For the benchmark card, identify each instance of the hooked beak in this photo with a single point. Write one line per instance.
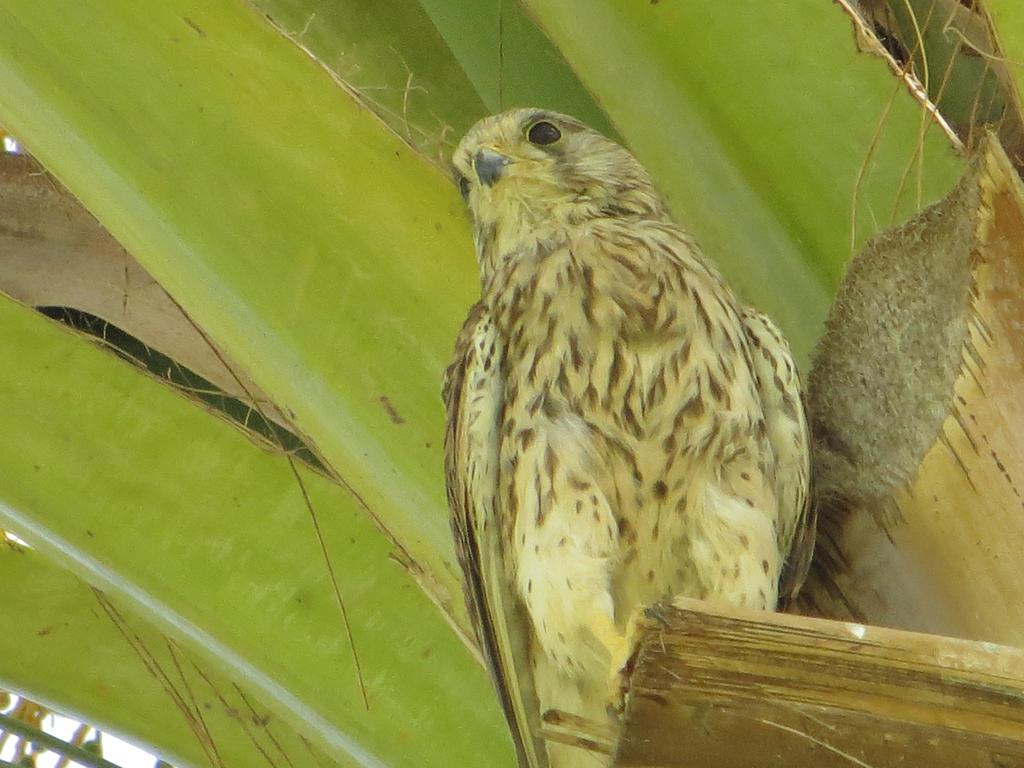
(488, 165)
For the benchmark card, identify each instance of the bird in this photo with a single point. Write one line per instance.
(621, 428)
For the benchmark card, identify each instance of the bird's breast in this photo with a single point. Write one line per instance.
(571, 343)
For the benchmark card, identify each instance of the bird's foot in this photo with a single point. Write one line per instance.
(656, 613)
(621, 648)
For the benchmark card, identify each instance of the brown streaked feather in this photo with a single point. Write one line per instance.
(473, 394)
(778, 386)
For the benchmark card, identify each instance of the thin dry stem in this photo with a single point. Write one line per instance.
(823, 744)
(307, 500)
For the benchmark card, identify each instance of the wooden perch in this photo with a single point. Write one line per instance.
(729, 688)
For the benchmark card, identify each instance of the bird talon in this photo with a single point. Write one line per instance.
(615, 701)
(657, 613)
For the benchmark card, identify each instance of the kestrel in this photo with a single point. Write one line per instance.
(621, 429)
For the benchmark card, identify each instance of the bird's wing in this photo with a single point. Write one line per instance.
(778, 385)
(473, 395)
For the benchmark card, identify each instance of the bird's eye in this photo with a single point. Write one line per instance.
(543, 133)
(464, 187)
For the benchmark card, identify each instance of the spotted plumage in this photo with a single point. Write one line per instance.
(621, 429)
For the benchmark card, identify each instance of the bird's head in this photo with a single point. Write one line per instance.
(526, 173)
